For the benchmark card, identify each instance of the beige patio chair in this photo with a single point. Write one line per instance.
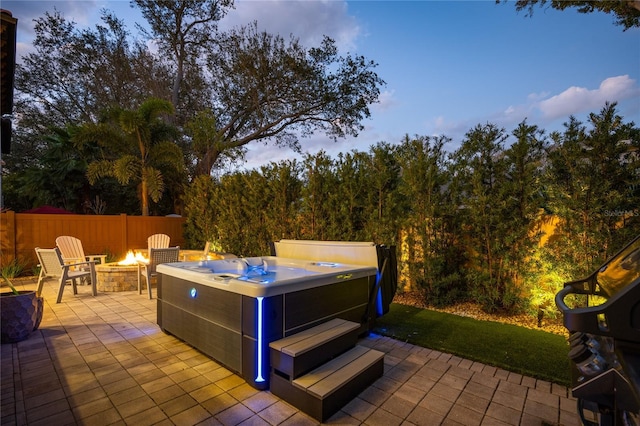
(72, 251)
(157, 241)
(52, 266)
(157, 256)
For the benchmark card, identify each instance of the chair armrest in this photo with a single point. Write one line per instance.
(91, 263)
(93, 257)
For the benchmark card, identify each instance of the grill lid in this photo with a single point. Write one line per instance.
(621, 270)
(618, 280)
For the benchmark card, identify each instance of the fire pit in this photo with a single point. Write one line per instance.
(120, 276)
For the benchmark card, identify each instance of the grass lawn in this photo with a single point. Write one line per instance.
(522, 350)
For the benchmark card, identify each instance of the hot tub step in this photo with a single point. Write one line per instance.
(295, 355)
(323, 391)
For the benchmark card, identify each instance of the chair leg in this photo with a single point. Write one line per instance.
(94, 282)
(147, 278)
(74, 284)
(142, 270)
(149, 285)
(41, 279)
(62, 283)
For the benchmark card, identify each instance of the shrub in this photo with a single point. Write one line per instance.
(13, 269)
(494, 296)
(443, 291)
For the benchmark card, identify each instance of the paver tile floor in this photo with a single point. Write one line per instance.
(103, 360)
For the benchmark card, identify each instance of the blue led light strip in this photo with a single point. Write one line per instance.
(379, 308)
(259, 377)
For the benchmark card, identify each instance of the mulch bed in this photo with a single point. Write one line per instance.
(473, 310)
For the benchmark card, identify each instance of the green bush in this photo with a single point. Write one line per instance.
(494, 296)
(13, 269)
(444, 291)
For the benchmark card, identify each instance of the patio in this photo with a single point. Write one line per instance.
(103, 360)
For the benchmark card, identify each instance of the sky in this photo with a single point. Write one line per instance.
(448, 65)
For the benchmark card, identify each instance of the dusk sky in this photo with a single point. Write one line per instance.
(448, 65)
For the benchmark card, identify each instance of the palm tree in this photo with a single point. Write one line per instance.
(137, 146)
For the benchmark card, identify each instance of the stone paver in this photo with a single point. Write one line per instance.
(103, 360)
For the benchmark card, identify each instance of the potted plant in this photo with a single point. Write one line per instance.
(20, 313)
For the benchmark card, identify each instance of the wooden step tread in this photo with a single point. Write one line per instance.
(325, 379)
(329, 367)
(314, 337)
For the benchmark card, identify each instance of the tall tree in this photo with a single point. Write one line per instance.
(137, 145)
(72, 75)
(207, 144)
(265, 89)
(383, 205)
(318, 183)
(589, 190)
(481, 186)
(428, 222)
(239, 220)
(348, 212)
(281, 188)
(627, 12)
(201, 211)
(523, 197)
(184, 30)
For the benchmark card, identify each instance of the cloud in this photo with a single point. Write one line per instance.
(580, 99)
(80, 12)
(386, 101)
(454, 129)
(309, 21)
(542, 109)
(83, 13)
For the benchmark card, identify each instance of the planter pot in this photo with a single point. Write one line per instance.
(20, 315)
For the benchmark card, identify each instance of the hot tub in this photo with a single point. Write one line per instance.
(232, 309)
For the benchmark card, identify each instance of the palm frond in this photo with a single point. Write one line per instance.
(155, 183)
(101, 133)
(99, 169)
(154, 107)
(126, 168)
(130, 121)
(167, 153)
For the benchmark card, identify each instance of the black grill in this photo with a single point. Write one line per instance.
(604, 326)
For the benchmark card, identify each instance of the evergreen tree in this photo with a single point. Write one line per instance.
(202, 212)
(282, 191)
(383, 204)
(481, 184)
(429, 223)
(318, 183)
(589, 188)
(349, 198)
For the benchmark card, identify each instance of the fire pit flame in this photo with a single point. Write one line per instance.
(133, 259)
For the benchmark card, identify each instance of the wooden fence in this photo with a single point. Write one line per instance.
(20, 233)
